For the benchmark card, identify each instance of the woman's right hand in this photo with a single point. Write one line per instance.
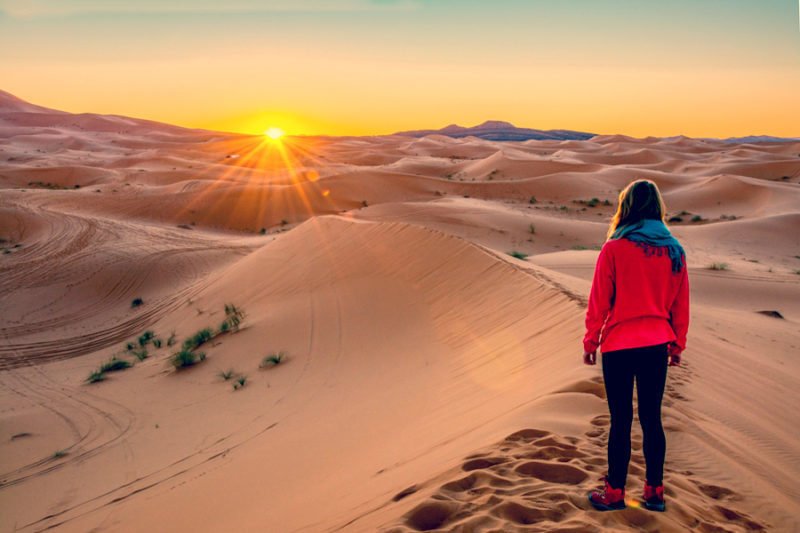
(674, 354)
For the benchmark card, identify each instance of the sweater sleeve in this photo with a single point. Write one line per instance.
(601, 299)
(679, 314)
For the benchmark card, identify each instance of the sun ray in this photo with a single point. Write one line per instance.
(260, 180)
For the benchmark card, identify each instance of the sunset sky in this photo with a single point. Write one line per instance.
(695, 67)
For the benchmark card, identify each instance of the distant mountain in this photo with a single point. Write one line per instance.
(759, 139)
(495, 130)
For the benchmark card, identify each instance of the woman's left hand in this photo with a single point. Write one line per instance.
(590, 358)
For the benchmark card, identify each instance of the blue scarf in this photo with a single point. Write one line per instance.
(653, 236)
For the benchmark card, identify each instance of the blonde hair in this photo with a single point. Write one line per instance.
(639, 200)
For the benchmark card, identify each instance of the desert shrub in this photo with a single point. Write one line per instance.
(239, 383)
(130, 346)
(59, 454)
(606, 202)
(95, 376)
(675, 219)
(136, 302)
(233, 317)
(198, 339)
(114, 365)
(172, 339)
(157, 343)
(532, 200)
(146, 337)
(590, 203)
(226, 374)
(718, 266)
(272, 360)
(141, 355)
(518, 255)
(697, 218)
(262, 231)
(532, 229)
(185, 358)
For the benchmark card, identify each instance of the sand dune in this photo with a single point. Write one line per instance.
(431, 381)
(736, 195)
(421, 318)
(70, 287)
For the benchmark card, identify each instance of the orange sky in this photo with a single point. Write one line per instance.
(712, 68)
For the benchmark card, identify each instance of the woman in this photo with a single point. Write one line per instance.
(638, 316)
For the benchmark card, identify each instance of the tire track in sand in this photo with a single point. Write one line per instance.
(96, 423)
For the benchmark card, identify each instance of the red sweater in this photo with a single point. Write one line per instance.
(636, 300)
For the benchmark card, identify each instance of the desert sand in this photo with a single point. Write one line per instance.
(431, 380)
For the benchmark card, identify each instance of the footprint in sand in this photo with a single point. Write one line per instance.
(553, 473)
(537, 479)
(484, 462)
(430, 515)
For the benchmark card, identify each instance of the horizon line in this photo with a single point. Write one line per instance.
(433, 131)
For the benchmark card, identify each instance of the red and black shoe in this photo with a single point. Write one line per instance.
(609, 498)
(654, 498)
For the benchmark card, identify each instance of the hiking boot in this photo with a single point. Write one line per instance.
(654, 497)
(609, 498)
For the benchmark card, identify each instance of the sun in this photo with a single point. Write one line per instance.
(274, 133)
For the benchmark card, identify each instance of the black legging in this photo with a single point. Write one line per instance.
(648, 365)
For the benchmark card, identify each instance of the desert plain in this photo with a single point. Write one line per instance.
(424, 299)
